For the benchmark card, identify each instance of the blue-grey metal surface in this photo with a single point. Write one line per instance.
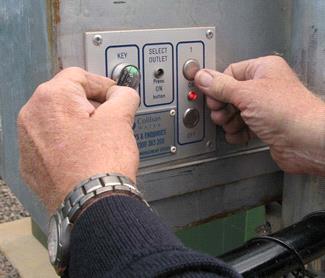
(24, 64)
(244, 29)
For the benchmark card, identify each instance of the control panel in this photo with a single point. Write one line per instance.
(172, 121)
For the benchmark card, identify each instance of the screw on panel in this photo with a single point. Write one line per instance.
(173, 149)
(209, 34)
(172, 112)
(209, 144)
(97, 40)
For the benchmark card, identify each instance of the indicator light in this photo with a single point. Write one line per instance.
(192, 96)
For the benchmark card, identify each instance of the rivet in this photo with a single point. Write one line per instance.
(173, 149)
(97, 40)
(209, 34)
(172, 112)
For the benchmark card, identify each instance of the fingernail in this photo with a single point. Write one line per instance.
(204, 79)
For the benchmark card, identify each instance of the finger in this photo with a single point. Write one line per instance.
(94, 86)
(122, 103)
(217, 85)
(95, 104)
(214, 104)
(241, 71)
(263, 67)
(223, 116)
(235, 125)
(241, 137)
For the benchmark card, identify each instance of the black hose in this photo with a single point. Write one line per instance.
(283, 252)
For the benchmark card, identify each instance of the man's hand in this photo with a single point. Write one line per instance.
(75, 126)
(265, 98)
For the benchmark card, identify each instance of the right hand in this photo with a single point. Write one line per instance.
(266, 99)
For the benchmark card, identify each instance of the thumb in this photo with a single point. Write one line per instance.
(122, 103)
(217, 85)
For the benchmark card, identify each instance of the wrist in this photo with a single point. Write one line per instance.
(318, 152)
(75, 203)
(96, 199)
(310, 145)
(65, 184)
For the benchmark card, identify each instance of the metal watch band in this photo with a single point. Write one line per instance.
(95, 186)
(66, 214)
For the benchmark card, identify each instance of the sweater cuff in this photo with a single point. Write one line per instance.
(121, 235)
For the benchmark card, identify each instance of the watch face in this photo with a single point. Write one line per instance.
(52, 242)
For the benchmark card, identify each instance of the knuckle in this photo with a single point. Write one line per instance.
(229, 69)
(42, 88)
(21, 116)
(218, 117)
(230, 138)
(274, 59)
(222, 86)
(43, 92)
(214, 104)
(74, 74)
(73, 70)
(219, 85)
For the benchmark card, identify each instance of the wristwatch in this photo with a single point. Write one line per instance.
(61, 223)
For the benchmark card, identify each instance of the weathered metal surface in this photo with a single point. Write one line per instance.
(244, 29)
(45, 36)
(53, 22)
(199, 191)
(170, 180)
(303, 194)
(308, 43)
(205, 205)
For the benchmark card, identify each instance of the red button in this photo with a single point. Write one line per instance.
(192, 96)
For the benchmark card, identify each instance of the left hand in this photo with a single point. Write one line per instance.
(75, 126)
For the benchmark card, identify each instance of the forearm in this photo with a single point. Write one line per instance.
(120, 236)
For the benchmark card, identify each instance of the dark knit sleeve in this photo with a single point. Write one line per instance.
(119, 236)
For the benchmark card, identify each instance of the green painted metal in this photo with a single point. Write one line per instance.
(222, 235)
(38, 233)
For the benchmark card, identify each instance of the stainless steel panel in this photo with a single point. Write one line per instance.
(145, 49)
